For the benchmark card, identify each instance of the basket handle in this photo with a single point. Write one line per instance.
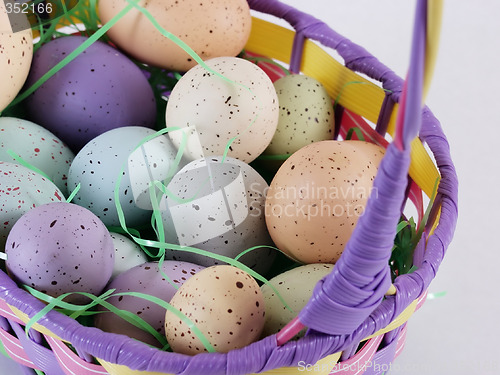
(343, 300)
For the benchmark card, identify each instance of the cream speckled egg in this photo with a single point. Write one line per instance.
(37, 146)
(224, 302)
(21, 189)
(210, 27)
(317, 196)
(214, 113)
(306, 114)
(16, 53)
(295, 287)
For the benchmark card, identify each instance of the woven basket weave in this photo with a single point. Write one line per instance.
(336, 324)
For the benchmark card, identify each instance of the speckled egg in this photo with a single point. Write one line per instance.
(147, 279)
(317, 196)
(296, 288)
(306, 114)
(99, 90)
(214, 113)
(21, 189)
(97, 168)
(60, 248)
(226, 305)
(16, 53)
(128, 254)
(211, 28)
(38, 147)
(218, 207)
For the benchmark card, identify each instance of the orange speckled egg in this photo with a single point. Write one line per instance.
(211, 28)
(317, 196)
(16, 53)
(224, 302)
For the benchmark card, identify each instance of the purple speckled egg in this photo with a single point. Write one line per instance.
(101, 89)
(60, 248)
(145, 278)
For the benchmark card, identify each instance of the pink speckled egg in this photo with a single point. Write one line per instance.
(226, 305)
(145, 278)
(37, 146)
(60, 248)
(21, 189)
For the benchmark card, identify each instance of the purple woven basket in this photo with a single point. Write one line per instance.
(349, 304)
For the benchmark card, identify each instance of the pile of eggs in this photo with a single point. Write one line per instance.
(89, 132)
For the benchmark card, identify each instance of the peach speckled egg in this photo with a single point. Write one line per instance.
(317, 196)
(16, 53)
(238, 113)
(210, 27)
(226, 305)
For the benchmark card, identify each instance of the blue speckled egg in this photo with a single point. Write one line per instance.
(101, 89)
(97, 168)
(37, 146)
(60, 248)
(21, 189)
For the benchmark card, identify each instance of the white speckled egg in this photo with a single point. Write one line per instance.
(145, 278)
(37, 146)
(225, 303)
(128, 254)
(97, 168)
(16, 53)
(306, 114)
(296, 288)
(219, 207)
(211, 28)
(214, 112)
(60, 248)
(317, 197)
(21, 189)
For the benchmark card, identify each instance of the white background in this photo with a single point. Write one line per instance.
(455, 334)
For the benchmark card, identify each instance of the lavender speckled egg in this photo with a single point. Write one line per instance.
(60, 248)
(21, 189)
(219, 207)
(128, 254)
(145, 278)
(97, 168)
(239, 112)
(226, 305)
(100, 90)
(37, 146)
